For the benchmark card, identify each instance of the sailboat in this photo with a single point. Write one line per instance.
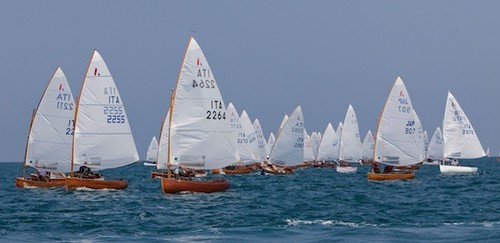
(102, 139)
(367, 148)
(435, 150)
(270, 143)
(244, 135)
(350, 143)
(263, 149)
(460, 140)
(399, 139)
(48, 147)
(328, 149)
(200, 136)
(152, 154)
(288, 149)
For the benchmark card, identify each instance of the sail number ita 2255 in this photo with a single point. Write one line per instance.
(114, 114)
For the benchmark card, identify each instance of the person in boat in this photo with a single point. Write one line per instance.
(39, 176)
(454, 162)
(376, 167)
(388, 169)
(87, 173)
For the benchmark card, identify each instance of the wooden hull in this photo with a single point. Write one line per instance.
(390, 176)
(409, 167)
(51, 183)
(455, 169)
(238, 170)
(283, 171)
(75, 182)
(172, 185)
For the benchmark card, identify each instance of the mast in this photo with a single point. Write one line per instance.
(169, 174)
(77, 105)
(379, 119)
(172, 101)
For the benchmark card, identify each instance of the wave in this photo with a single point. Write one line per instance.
(298, 222)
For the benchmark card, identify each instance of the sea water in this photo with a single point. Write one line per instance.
(312, 205)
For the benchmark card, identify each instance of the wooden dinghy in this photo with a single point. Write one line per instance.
(390, 176)
(407, 167)
(279, 171)
(35, 182)
(98, 183)
(176, 185)
(233, 170)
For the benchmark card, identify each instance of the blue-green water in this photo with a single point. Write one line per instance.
(315, 204)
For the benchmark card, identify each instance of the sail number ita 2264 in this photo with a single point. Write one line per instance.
(216, 111)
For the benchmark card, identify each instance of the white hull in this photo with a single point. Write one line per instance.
(149, 164)
(346, 169)
(434, 162)
(454, 169)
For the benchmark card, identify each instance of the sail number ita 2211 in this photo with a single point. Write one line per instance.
(216, 111)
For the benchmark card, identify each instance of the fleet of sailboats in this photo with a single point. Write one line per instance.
(199, 133)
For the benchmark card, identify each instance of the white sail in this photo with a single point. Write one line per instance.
(162, 157)
(288, 150)
(367, 146)
(263, 149)
(283, 121)
(460, 138)
(399, 139)
(329, 145)
(426, 143)
(103, 138)
(239, 134)
(315, 141)
(270, 143)
(51, 133)
(308, 152)
(200, 134)
(152, 153)
(250, 137)
(435, 151)
(350, 143)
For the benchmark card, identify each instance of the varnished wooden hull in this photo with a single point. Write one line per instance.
(283, 171)
(51, 183)
(238, 170)
(409, 167)
(75, 182)
(173, 185)
(390, 176)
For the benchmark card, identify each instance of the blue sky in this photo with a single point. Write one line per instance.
(267, 56)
